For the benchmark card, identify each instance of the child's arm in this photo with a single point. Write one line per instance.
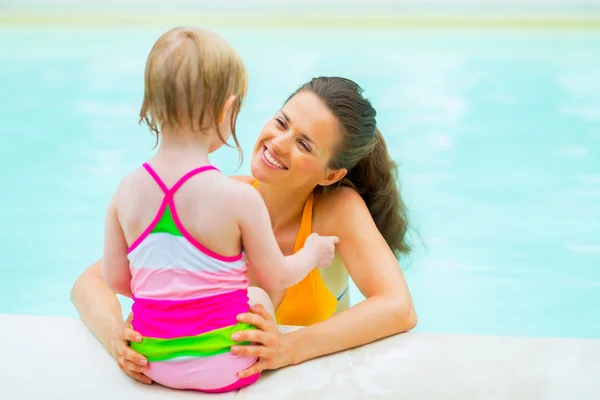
(273, 270)
(115, 265)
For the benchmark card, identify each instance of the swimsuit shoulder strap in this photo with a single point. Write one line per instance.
(306, 222)
(181, 181)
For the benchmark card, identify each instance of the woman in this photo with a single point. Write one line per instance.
(321, 166)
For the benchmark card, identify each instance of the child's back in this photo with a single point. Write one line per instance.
(203, 202)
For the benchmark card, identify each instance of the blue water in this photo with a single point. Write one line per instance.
(497, 135)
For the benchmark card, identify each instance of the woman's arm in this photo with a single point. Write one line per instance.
(100, 310)
(387, 309)
(97, 305)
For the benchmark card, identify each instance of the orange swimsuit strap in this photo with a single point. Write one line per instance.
(310, 300)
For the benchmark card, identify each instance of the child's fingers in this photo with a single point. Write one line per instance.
(335, 239)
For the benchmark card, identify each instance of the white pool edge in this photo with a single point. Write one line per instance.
(58, 358)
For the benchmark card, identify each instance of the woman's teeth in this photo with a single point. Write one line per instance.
(272, 161)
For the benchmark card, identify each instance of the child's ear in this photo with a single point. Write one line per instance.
(226, 108)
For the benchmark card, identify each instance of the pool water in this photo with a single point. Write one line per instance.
(497, 135)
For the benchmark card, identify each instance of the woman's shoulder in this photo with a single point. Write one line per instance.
(343, 198)
(338, 206)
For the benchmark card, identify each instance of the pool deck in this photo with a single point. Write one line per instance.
(58, 358)
(328, 14)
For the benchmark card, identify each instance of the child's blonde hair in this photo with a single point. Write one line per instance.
(190, 73)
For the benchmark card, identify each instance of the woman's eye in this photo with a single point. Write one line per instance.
(280, 122)
(306, 147)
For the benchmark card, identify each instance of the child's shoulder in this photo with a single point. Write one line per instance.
(241, 188)
(237, 186)
(130, 182)
(237, 193)
(243, 178)
(133, 177)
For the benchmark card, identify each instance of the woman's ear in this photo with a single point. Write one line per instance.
(332, 176)
(227, 107)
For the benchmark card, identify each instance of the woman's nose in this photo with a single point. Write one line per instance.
(281, 144)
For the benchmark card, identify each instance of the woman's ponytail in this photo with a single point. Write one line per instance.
(375, 178)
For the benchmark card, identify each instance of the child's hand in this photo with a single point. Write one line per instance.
(322, 247)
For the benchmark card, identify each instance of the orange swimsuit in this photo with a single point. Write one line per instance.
(310, 300)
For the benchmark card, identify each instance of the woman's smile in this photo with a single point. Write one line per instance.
(271, 160)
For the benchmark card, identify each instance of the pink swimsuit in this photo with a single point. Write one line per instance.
(186, 299)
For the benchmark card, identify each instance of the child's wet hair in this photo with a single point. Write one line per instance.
(190, 73)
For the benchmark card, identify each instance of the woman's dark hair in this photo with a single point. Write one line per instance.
(363, 152)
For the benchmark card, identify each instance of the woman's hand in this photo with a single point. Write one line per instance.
(130, 361)
(274, 349)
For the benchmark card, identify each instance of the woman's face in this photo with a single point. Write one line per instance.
(295, 146)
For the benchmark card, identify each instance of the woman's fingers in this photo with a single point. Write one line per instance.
(255, 336)
(129, 319)
(129, 360)
(139, 377)
(253, 319)
(133, 367)
(135, 357)
(130, 335)
(252, 351)
(258, 309)
(133, 370)
(258, 317)
(254, 369)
